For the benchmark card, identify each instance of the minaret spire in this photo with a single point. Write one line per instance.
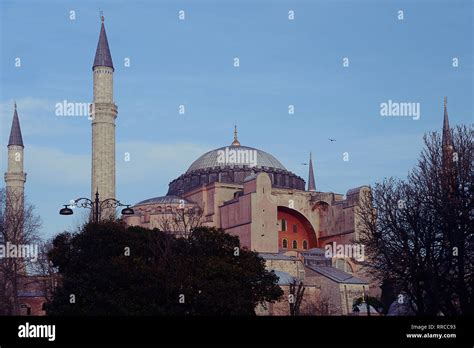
(448, 178)
(15, 176)
(447, 140)
(15, 132)
(311, 182)
(102, 54)
(236, 141)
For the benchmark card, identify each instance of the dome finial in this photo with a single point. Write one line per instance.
(236, 141)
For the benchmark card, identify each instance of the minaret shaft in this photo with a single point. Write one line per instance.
(15, 177)
(104, 113)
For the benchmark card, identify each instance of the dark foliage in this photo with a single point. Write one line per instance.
(111, 269)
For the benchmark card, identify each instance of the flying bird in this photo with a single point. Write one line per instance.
(332, 139)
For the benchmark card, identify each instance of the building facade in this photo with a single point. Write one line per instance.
(249, 193)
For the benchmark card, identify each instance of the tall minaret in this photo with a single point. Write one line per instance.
(311, 183)
(15, 177)
(447, 140)
(103, 122)
(449, 176)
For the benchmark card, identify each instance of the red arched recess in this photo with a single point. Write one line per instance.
(295, 230)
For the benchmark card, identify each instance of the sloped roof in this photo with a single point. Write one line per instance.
(284, 278)
(165, 200)
(336, 274)
(276, 256)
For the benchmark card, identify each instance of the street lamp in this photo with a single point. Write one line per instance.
(66, 210)
(96, 206)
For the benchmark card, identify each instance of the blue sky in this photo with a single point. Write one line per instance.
(190, 62)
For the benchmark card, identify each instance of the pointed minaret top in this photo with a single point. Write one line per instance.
(15, 132)
(236, 141)
(311, 182)
(447, 141)
(102, 54)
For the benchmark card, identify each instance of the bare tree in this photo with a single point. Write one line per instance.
(180, 221)
(18, 227)
(296, 296)
(419, 232)
(321, 306)
(45, 274)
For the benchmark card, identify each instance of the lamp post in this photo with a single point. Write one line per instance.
(96, 206)
(367, 304)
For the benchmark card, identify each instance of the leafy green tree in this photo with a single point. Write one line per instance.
(111, 269)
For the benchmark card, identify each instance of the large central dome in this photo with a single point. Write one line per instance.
(233, 164)
(211, 159)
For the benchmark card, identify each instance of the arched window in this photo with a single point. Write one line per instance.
(343, 265)
(295, 244)
(305, 244)
(284, 244)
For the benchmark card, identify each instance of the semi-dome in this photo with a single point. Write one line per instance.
(171, 199)
(243, 154)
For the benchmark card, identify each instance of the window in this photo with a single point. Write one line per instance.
(340, 264)
(284, 244)
(305, 244)
(145, 218)
(343, 265)
(295, 244)
(283, 224)
(295, 228)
